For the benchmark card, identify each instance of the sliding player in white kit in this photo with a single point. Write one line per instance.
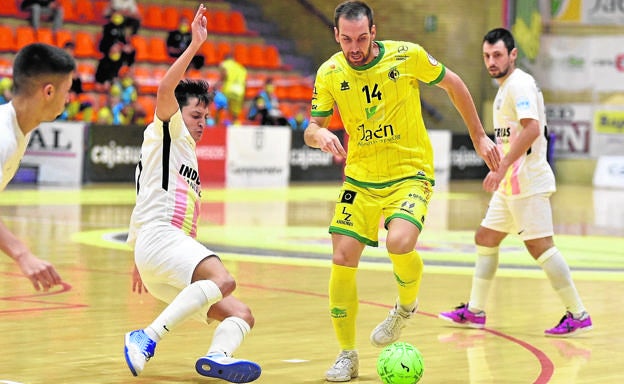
(521, 188)
(173, 266)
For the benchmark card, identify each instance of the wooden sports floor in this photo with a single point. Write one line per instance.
(276, 244)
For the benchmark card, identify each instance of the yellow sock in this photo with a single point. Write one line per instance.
(343, 304)
(408, 270)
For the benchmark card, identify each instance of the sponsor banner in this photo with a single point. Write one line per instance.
(312, 164)
(593, 12)
(564, 64)
(465, 163)
(441, 143)
(572, 126)
(609, 172)
(258, 156)
(211, 154)
(608, 132)
(56, 152)
(113, 152)
(581, 63)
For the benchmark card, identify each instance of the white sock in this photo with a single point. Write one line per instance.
(558, 273)
(229, 335)
(190, 300)
(485, 270)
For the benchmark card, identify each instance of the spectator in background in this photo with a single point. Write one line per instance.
(114, 32)
(48, 10)
(129, 10)
(6, 83)
(300, 120)
(234, 80)
(266, 106)
(79, 107)
(109, 65)
(179, 39)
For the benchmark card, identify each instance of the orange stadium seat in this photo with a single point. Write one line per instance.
(272, 57)
(144, 80)
(153, 16)
(241, 54)
(6, 67)
(171, 17)
(257, 58)
(190, 14)
(7, 39)
(223, 49)
(62, 36)
(87, 75)
(69, 11)
(10, 8)
(45, 35)
(238, 26)
(148, 104)
(211, 56)
(140, 44)
(158, 50)
(24, 35)
(85, 45)
(220, 21)
(85, 11)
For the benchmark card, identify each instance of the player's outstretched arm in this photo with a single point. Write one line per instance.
(166, 103)
(41, 273)
(462, 100)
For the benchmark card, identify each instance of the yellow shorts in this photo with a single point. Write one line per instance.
(359, 209)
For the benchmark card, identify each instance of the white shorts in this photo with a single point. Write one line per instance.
(166, 258)
(529, 217)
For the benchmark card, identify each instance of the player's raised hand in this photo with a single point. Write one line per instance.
(199, 24)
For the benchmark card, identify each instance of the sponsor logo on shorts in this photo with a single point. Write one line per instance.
(348, 196)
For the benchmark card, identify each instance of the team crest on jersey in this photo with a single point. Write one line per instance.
(344, 86)
(393, 74)
(432, 60)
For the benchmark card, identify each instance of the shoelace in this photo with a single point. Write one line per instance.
(343, 362)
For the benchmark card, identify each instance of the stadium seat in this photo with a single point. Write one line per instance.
(6, 67)
(257, 58)
(241, 54)
(223, 49)
(7, 39)
(211, 56)
(140, 44)
(69, 11)
(171, 17)
(158, 50)
(85, 11)
(45, 35)
(62, 36)
(85, 46)
(153, 16)
(87, 75)
(190, 14)
(148, 104)
(238, 26)
(272, 57)
(24, 35)
(220, 21)
(144, 80)
(10, 9)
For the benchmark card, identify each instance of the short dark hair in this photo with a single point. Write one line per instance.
(37, 60)
(353, 10)
(496, 34)
(188, 88)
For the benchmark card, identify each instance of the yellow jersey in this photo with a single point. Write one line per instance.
(379, 104)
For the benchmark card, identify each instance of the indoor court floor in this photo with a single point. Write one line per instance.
(275, 242)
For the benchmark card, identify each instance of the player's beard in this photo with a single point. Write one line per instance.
(501, 73)
(363, 60)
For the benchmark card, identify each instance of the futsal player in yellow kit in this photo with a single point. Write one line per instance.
(389, 166)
